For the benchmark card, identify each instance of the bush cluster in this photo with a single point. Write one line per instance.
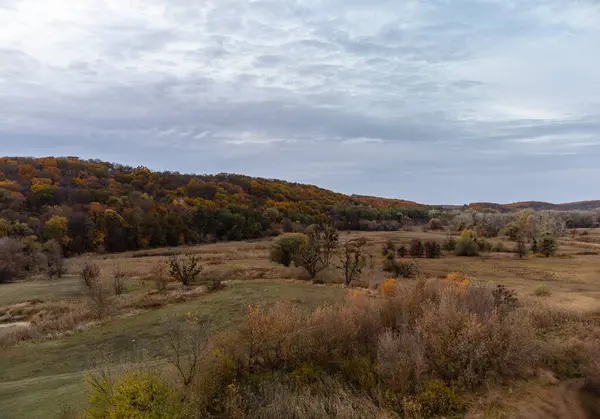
(399, 268)
(466, 245)
(19, 257)
(410, 347)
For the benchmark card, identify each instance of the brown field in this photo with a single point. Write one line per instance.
(44, 371)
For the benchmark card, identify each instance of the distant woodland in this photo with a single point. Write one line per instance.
(96, 206)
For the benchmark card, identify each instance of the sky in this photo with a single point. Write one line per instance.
(436, 101)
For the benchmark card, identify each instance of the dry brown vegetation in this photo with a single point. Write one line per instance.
(419, 349)
(437, 345)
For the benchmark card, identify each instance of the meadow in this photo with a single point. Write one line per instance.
(44, 372)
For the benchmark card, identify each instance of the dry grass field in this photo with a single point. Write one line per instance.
(44, 371)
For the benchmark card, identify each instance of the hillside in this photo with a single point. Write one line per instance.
(94, 205)
(536, 205)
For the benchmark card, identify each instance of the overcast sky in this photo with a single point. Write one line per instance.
(438, 101)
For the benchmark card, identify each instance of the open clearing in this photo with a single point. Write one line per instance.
(37, 377)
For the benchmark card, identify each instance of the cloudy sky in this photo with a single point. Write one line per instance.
(438, 101)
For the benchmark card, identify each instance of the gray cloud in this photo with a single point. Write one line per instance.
(433, 101)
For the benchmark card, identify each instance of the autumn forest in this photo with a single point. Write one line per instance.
(95, 206)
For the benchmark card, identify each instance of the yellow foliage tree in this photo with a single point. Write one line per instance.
(39, 185)
(56, 228)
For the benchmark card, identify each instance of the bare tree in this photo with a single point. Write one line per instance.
(186, 345)
(330, 241)
(54, 259)
(97, 291)
(90, 273)
(159, 271)
(12, 259)
(520, 246)
(184, 269)
(119, 276)
(320, 246)
(352, 260)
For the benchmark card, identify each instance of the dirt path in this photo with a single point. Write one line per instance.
(544, 400)
(568, 400)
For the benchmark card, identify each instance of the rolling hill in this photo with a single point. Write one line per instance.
(91, 205)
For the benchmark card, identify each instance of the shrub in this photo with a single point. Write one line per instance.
(401, 350)
(388, 288)
(459, 278)
(505, 299)
(432, 249)
(416, 248)
(98, 294)
(535, 249)
(512, 231)
(214, 280)
(401, 250)
(466, 244)
(135, 394)
(213, 382)
(566, 358)
(435, 224)
(159, 272)
(466, 247)
(483, 245)
(54, 259)
(542, 291)
(285, 248)
(388, 248)
(360, 372)
(401, 269)
(97, 291)
(520, 247)
(468, 341)
(548, 245)
(12, 259)
(437, 399)
(485, 229)
(449, 244)
(402, 362)
(35, 259)
(184, 269)
(90, 274)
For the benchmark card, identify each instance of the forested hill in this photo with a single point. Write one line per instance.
(536, 206)
(92, 205)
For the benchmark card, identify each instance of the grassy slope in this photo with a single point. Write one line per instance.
(36, 378)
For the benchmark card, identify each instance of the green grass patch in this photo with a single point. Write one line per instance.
(43, 289)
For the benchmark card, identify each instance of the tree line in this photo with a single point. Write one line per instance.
(95, 206)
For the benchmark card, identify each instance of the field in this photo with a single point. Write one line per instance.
(38, 376)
